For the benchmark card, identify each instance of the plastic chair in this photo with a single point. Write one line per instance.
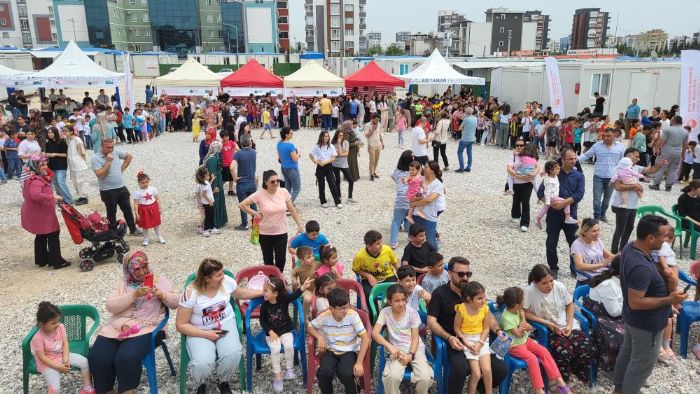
(672, 218)
(407, 373)
(419, 280)
(691, 234)
(149, 362)
(689, 314)
(349, 284)
(315, 359)
(543, 339)
(184, 355)
(586, 275)
(247, 273)
(75, 319)
(579, 293)
(512, 363)
(257, 345)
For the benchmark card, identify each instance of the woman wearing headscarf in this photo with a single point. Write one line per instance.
(354, 151)
(39, 215)
(293, 114)
(100, 131)
(213, 163)
(136, 311)
(209, 136)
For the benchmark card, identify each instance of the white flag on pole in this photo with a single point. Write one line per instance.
(556, 95)
(128, 99)
(690, 91)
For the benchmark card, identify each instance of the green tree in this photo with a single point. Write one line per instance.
(375, 50)
(394, 50)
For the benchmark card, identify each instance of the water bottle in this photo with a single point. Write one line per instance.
(501, 345)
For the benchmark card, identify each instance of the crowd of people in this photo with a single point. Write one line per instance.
(633, 284)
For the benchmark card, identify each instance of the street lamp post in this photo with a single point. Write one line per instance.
(72, 20)
(229, 39)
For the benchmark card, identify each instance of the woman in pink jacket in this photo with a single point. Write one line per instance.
(137, 305)
(39, 215)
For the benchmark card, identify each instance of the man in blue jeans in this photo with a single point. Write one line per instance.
(607, 157)
(571, 188)
(244, 163)
(468, 129)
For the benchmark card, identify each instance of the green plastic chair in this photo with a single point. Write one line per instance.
(691, 234)
(377, 300)
(75, 319)
(672, 218)
(185, 357)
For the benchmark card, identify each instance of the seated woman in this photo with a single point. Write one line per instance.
(689, 206)
(548, 302)
(206, 316)
(124, 341)
(589, 254)
(605, 302)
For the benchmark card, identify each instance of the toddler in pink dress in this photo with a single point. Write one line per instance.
(628, 176)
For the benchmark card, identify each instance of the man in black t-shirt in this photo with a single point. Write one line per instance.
(599, 103)
(441, 315)
(416, 252)
(646, 305)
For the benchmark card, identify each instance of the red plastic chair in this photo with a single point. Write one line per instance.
(348, 285)
(314, 359)
(246, 273)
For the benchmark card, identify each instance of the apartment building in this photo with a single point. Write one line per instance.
(336, 27)
(27, 23)
(590, 28)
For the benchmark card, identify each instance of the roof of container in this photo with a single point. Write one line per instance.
(312, 55)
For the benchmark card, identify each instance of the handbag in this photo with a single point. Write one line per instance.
(436, 144)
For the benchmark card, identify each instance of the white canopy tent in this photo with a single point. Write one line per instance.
(190, 79)
(436, 71)
(312, 80)
(11, 77)
(73, 68)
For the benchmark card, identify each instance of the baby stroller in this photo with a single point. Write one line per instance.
(94, 228)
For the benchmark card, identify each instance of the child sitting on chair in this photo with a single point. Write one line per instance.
(404, 344)
(342, 342)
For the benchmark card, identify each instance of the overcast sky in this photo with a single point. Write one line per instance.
(677, 17)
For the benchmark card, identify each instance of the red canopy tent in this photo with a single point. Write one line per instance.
(254, 79)
(372, 77)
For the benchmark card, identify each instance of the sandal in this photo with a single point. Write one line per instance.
(62, 264)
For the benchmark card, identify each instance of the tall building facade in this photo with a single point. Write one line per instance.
(542, 28)
(374, 38)
(446, 18)
(28, 23)
(336, 27)
(510, 31)
(652, 40)
(590, 28)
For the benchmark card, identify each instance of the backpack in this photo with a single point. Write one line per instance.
(353, 107)
(257, 281)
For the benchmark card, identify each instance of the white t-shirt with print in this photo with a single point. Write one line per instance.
(207, 312)
(431, 210)
(550, 306)
(145, 196)
(399, 331)
(204, 190)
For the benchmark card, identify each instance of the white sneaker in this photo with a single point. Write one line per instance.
(145, 242)
(325, 205)
(290, 374)
(523, 229)
(205, 233)
(515, 220)
(339, 206)
(570, 220)
(161, 240)
(215, 231)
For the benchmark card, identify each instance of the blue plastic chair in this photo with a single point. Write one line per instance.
(579, 293)
(689, 314)
(407, 373)
(512, 363)
(582, 273)
(441, 368)
(149, 362)
(257, 345)
(543, 339)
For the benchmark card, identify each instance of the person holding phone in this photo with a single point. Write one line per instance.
(137, 305)
(206, 317)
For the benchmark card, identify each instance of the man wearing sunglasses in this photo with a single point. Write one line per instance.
(441, 315)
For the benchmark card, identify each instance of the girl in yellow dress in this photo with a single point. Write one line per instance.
(196, 125)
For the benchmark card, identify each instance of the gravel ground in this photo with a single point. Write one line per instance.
(476, 224)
